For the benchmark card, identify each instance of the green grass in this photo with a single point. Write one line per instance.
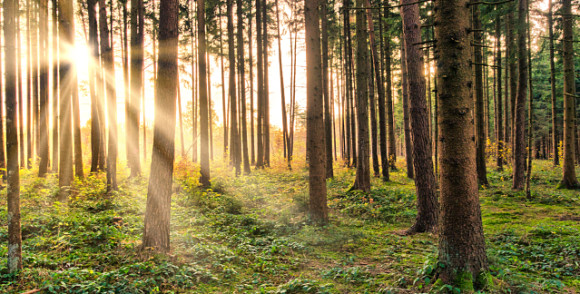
(251, 234)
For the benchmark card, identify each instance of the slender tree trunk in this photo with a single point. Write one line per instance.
(314, 112)
(224, 105)
(234, 131)
(325, 90)
(282, 88)
(461, 240)
(520, 109)
(530, 110)
(66, 80)
(260, 71)
(78, 150)
(33, 104)
(381, 93)
(266, 94)
(25, 157)
(568, 170)
(498, 106)
(392, 146)
(136, 56)
(363, 170)
(513, 76)
(93, 44)
(427, 204)
(251, 69)
(373, 118)
(406, 115)
(479, 105)
(10, 11)
(43, 99)
(203, 100)
(241, 70)
(55, 86)
(555, 140)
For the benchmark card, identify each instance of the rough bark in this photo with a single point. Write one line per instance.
(461, 240)
(10, 13)
(568, 170)
(241, 71)
(519, 165)
(363, 169)
(234, 134)
(43, 84)
(314, 112)
(158, 210)
(392, 146)
(427, 204)
(555, 140)
(406, 115)
(499, 103)
(325, 90)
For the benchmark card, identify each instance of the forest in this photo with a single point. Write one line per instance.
(289, 146)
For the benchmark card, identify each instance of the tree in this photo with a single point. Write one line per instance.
(568, 172)
(203, 100)
(461, 240)
(363, 172)
(94, 72)
(392, 146)
(555, 141)
(137, 52)
(315, 125)
(499, 103)
(10, 10)
(66, 80)
(406, 115)
(427, 204)
(241, 71)
(520, 106)
(55, 85)
(43, 99)
(479, 105)
(235, 154)
(109, 78)
(381, 93)
(158, 210)
(325, 90)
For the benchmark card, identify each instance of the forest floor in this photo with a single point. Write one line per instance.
(251, 235)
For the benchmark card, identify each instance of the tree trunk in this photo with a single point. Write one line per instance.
(406, 114)
(234, 134)
(55, 86)
(314, 111)
(568, 170)
(251, 69)
(498, 106)
(520, 109)
(555, 140)
(66, 80)
(427, 204)
(260, 71)
(10, 11)
(241, 70)
(158, 210)
(266, 94)
(513, 77)
(461, 240)
(363, 170)
(203, 99)
(78, 150)
(479, 110)
(43, 99)
(137, 55)
(325, 90)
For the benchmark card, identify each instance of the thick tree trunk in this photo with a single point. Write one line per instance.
(479, 110)
(10, 11)
(461, 240)
(66, 80)
(363, 169)
(427, 204)
(568, 170)
(315, 145)
(158, 210)
(520, 108)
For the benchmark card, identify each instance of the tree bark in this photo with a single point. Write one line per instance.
(325, 90)
(137, 55)
(461, 240)
(363, 169)
(314, 111)
(568, 170)
(43, 99)
(234, 134)
(260, 85)
(406, 114)
(498, 108)
(10, 11)
(203, 88)
(66, 80)
(55, 86)
(158, 210)
(479, 105)
(520, 108)
(241, 70)
(427, 204)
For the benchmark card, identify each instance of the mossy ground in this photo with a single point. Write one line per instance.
(251, 235)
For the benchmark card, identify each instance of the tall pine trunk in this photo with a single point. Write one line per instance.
(555, 140)
(499, 103)
(43, 98)
(158, 210)
(203, 99)
(325, 89)
(479, 105)
(136, 77)
(461, 239)
(241, 70)
(406, 114)
(520, 105)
